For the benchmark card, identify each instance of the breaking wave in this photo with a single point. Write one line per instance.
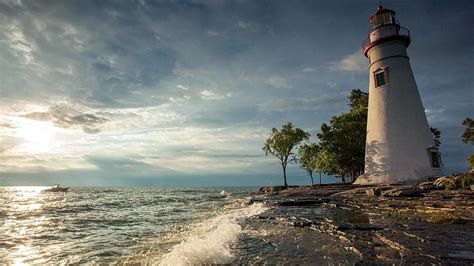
(211, 241)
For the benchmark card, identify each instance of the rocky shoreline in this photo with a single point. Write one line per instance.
(391, 224)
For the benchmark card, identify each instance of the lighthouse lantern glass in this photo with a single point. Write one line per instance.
(382, 19)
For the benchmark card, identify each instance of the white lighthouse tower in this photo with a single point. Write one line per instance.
(399, 146)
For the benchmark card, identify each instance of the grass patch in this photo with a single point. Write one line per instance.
(445, 219)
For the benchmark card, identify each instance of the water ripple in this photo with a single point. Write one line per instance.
(88, 225)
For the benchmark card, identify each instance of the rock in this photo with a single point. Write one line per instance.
(273, 189)
(372, 192)
(345, 226)
(472, 187)
(442, 182)
(366, 227)
(402, 192)
(302, 222)
(301, 202)
(427, 186)
(360, 227)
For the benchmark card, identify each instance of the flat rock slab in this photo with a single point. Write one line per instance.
(402, 192)
(300, 202)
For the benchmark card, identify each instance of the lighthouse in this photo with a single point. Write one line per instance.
(399, 146)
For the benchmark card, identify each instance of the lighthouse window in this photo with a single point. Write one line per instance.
(380, 78)
(435, 162)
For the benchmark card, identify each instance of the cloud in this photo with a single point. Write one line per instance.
(6, 125)
(355, 62)
(7, 143)
(210, 95)
(288, 104)
(244, 24)
(18, 43)
(308, 69)
(213, 33)
(67, 117)
(182, 87)
(278, 82)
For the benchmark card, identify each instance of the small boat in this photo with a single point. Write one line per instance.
(57, 188)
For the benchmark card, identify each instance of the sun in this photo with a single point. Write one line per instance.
(38, 136)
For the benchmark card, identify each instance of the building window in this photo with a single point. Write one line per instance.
(435, 158)
(381, 77)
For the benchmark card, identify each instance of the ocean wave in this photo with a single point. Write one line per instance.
(211, 241)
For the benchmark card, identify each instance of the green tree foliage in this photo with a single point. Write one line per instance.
(470, 161)
(307, 154)
(468, 134)
(280, 143)
(468, 137)
(436, 136)
(326, 162)
(342, 141)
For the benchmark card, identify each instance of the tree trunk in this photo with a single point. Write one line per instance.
(311, 175)
(320, 178)
(284, 174)
(343, 179)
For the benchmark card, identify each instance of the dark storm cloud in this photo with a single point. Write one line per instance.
(67, 117)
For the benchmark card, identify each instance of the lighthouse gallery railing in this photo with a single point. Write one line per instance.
(403, 32)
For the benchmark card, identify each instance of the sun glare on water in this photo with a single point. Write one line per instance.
(38, 136)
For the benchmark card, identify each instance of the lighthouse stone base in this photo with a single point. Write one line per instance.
(396, 177)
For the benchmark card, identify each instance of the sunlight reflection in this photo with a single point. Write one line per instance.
(25, 203)
(22, 254)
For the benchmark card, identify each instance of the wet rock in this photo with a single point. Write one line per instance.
(402, 192)
(433, 229)
(427, 186)
(366, 227)
(442, 182)
(274, 189)
(301, 202)
(372, 192)
(360, 227)
(345, 227)
(302, 222)
(463, 254)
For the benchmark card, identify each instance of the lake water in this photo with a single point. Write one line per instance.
(122, 225)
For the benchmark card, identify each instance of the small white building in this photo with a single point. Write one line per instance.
(399, 146)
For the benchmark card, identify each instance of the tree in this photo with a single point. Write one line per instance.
(281, 143)
(468, 134)
(468, 137)
(307, 154)
(343, 139)
(436, 136)
(326, 162)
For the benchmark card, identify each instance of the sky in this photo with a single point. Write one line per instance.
(184, 93)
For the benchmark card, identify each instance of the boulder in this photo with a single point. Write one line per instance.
(372, 192)
(402, 192)
(427, 186)
(442, 182)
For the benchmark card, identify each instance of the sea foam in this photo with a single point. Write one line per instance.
(212, 240)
